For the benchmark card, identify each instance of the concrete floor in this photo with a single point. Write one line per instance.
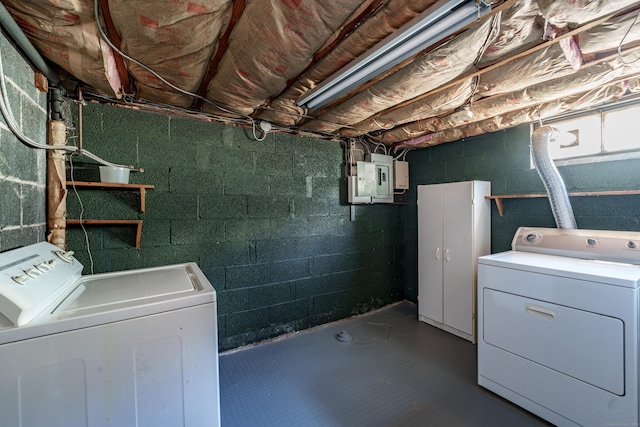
(395, 371)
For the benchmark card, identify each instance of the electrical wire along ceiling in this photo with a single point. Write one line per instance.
(405, 73)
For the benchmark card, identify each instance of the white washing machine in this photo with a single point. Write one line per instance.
(131, 348)
(558, 325)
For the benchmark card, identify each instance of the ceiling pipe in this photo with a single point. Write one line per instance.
(14, 31)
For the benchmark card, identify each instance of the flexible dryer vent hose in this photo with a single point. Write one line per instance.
(557, 191)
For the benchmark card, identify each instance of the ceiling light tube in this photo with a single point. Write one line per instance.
(437, 22)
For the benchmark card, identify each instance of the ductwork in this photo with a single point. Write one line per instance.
(553, 182)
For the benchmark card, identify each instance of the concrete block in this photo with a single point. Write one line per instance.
(282, 271)
(33, 204)
(316, 167)
(221, 254)
(195, 182)
(327, 264)
(270, 294)
(289, 144)
(244, 276)
(246, 229)
(283, 313)
(325, 225)
(197, 132)
(221, 207)
(249, 320)
(311, 286)
(327, 188)
(189, 232)
(330, 150)
(242, 184)
(231, 301)
(171, 206)
(274, 164)
(11, 202)
(216, 276)
(12, 239)
(275, 249)
(288, 186)
(268, 206)
(289, 227)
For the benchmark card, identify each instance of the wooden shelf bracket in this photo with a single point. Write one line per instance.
(141, 188)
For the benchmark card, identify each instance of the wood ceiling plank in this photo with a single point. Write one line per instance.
(115, 39)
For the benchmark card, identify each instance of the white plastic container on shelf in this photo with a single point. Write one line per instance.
(114, 174)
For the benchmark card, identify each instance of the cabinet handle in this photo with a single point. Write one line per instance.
(438, 254)
(447, 255)
(538, 311)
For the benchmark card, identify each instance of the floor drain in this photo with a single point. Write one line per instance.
(344, 336)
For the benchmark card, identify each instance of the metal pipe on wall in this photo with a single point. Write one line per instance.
(15, 33)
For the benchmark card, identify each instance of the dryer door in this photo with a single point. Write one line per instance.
(586, 346)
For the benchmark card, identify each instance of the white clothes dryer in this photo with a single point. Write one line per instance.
(558, 325)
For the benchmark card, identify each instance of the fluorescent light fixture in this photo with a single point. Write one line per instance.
(437, 22)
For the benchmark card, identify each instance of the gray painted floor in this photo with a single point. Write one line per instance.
(396, 371)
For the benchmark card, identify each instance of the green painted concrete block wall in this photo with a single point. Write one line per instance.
(22, 169)
(503, 159)
(266, 221)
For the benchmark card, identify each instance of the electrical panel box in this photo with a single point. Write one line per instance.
(401, 175)
(384, 177)
(373, 182)
(361, 187)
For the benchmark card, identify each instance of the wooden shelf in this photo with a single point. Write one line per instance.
(500, 198)
(116, 222)
(142, 188)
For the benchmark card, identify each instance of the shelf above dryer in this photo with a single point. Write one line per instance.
(499, 198)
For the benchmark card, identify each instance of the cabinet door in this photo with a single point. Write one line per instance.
(458, 256)
(430, 251)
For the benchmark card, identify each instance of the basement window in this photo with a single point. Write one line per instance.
(604, 135)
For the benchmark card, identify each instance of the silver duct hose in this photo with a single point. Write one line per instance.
(558, 196)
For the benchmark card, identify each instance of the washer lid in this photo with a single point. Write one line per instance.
(135, 288)
(112, 297)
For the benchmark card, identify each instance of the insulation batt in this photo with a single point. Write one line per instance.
(549, 109)
(255, 68)
(575, 12)
(76, 46)
(161, 37)
(587, 78)
(393, 15)
(425, 73)
(518, 29)
(433, 105)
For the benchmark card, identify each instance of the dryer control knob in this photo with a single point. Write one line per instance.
(65, 256)
(532, 237)
(631, 244)
(591, 242)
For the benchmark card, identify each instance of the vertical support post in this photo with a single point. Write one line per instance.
(56, 186)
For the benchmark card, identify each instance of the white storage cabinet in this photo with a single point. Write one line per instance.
(454, 229)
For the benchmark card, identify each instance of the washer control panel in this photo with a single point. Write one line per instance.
(33, 278)
(605, 245)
